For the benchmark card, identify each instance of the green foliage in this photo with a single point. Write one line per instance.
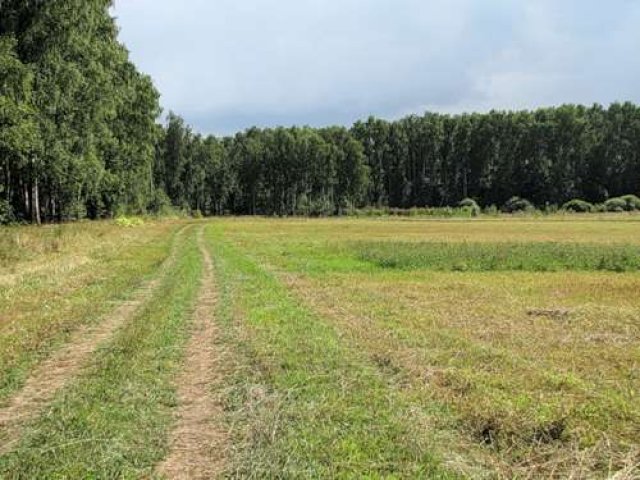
(471, 206)
(615, 205)
(626, 203)
(82, 141)
(578, 206)
(6, 212)
(129, 222)
(442, 212)
(517, 204)
(491, 210)
(632, 201)
(79, 141)
(388, 168)
(536, 257)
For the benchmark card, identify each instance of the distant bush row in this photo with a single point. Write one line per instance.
(469, 208)
(626, 203)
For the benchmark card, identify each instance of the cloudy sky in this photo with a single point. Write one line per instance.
(225, 65)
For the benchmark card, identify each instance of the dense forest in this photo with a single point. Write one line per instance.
(79, 139)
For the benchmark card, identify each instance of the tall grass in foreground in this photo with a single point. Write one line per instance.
(531, 257)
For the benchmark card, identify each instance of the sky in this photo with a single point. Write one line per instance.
(227, 65)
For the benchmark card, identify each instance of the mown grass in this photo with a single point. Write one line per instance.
(537, 391)
(39, 309)
(503, 256)
(337, 366)
(113, 421)
(537, 369)
(305, 404)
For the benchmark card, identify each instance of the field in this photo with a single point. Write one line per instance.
(338, 348)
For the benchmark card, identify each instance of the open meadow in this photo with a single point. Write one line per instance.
(504, 347)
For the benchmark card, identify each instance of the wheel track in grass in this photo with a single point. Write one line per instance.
(197, 446)
(65, 364)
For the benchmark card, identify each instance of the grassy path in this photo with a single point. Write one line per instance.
(198, 440)
(234, 350)
(74, 288)
(54, 373)
(113, 420)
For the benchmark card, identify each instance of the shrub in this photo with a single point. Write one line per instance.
(599, 208)
(578, 206)
(471, 206)
(129, 222)
(615, 205)
(321, 207)
(468, 202)
(197, 214)
(517, 204)
(160, 204)
(626, 203)
(632, 202)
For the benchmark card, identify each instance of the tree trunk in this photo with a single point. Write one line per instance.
(27, 200)
(35, 204)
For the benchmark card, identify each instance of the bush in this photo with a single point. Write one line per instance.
(321, 207)
(615, 205)
(197, 214)
(632, 202)
(470, 206)
(517, 204)
(578, 206)
(599, 208)
(129, 222)
(626, 203)
(160, 204)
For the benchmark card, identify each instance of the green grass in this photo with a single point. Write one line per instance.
(304, 404)
(112, 422)
(350, 348)
(39, 312)
(519, 364)
(488, 257)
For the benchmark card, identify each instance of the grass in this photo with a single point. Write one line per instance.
(352, 348)
(487, 257)
(46, 298)
(303, 403)
(536, 369)
(113, 421)
(20, 245)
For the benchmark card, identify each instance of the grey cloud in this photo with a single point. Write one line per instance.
(227, 65)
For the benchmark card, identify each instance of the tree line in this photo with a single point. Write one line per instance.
(79, 139)
(548, 156)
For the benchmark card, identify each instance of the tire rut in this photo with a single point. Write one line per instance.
(54, 373)
(197, 446)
